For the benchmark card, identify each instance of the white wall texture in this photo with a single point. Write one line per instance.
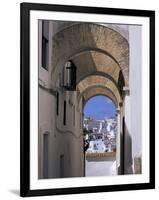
(66, 139)
(132, 101)
(136, 89)
(101, 166)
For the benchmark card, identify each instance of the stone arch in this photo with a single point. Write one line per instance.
(88, 36)
(99, 81)
(96, 62)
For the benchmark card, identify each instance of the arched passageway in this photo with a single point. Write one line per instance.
(100, 56)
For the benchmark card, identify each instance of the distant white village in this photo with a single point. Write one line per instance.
(100, 135)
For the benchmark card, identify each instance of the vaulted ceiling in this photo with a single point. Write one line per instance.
(101, 56)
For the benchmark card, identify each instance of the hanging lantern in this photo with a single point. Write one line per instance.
(69, 76)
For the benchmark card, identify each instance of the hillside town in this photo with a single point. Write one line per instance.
(100, 135)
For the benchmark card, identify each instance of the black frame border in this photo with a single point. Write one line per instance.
(25, 9)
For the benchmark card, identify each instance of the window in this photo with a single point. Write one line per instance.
(64, 113)
(44, 52)
(57, 103)
(45, 155)
(45, 44)
(69, 76)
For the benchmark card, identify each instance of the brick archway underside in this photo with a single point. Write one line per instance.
(93, 48)
(93, 85)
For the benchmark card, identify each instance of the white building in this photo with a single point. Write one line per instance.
(96, 146)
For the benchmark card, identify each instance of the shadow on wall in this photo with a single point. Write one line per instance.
(126, 151)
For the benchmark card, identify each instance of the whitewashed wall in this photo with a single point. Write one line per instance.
(66, 139)
(133, 110)
(105, 166)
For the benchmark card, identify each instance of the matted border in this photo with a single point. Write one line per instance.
(26, 189)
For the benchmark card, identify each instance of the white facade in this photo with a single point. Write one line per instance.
(65, 142)
(96, 146)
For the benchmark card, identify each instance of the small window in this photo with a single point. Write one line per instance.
(44, 53)
(57, 103)
(45, 44)
(45, 155)
(69, 76)
(64, 113)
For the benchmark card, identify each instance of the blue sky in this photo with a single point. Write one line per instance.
(99, 107)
